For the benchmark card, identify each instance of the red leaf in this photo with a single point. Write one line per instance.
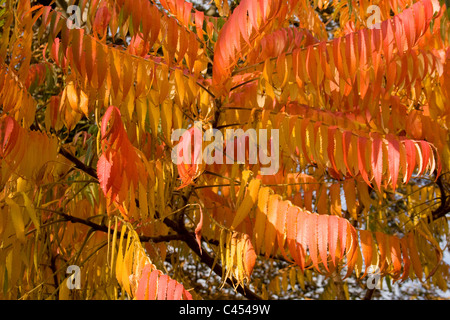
(198, 231)
(104, 173)
(410, 148)
(171, 289)
(178, 292)
(199, 17)
(190, 169)
(342, 235)
(142, 289)
(110, 112)
(162, 287)
(186, 295)
(9, 134)
(101, 21)
(153, 285)
(312, 238)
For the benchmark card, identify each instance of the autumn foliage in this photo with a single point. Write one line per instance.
(87, 177)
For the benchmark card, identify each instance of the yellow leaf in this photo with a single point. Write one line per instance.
(292, 277)
(141, 109)
(180, 86)
(127, 265)
(166, 120)
(261, 215)
(248, 202)
(84, 103)
(143, 204)
(177, 117)
(154, 113)
(244, 178)
(240, 258)
(64, 291)
(17, 219)
(284, 281)
(228, 255)
(222, 245)
(119, 261)
(270, 233)
(113, 245)
(301, 279)
(31, 212)
(129, 103)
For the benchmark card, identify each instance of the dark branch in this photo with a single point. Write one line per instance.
(369, 294)
(78, 164)
(444, 207)
(103, 228)
(182, 234)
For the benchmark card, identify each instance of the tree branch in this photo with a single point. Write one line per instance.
(444, 207)
(205, 258)
(369, 294)
(103, 228)
(78, 164)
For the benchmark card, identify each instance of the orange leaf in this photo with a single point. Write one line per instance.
(249, 256)
(302, 241)
(311, 236)
(362, 158)
(395, 256)
(153, 285)
(410, 148)
(366, 247)
(383, 243)
(333, 236)
(142, 288)
(393, 159)
(406, 261)
(270, 234)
